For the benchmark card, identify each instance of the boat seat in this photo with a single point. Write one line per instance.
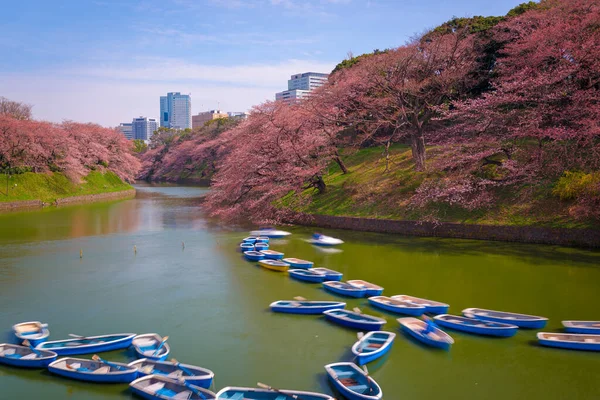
(589, 340)
(348, 382)
(186, 394)
(75, 365)
(342, 375)
(155, 387)
(30, 356)
(7, 352)
(175, 374)
(358, 388)
(237, 396)
(102, 370)
(144, 342)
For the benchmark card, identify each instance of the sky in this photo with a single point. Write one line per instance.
(108, 61)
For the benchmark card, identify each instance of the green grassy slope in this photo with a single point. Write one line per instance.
(49, 187)
(368, 191)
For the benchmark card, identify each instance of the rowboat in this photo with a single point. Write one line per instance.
(262, 239)
(250, 239)
(34, 331)
(520, 320)
(246, 246)
(322, 240)
(90, 344)
(434, 307)
(476, 326)
(243, 393)
(23, 356)
(307, 275)
(352, 382)
(371, 288)
(191, 374)
(305, 307)
(151, 346)
(272, 255)
(274, 265)
(298, 263)
(254, 255)
(163, 388)
(344, 289)
(355, 320)
(396, 306)
(270, 233)
(93, 371)
(372, 346)
(415, 327)
(572, 341)
(590, 327)
(261, 246)
(330, 274)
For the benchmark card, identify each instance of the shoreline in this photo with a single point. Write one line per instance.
(82, 199)
(586, 238)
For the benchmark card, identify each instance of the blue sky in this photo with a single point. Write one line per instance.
(107, 61)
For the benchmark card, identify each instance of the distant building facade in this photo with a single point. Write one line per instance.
(126, 129)
(176, 111)
(142, 128)
(203, 117)
(237, 114)
(300, 86)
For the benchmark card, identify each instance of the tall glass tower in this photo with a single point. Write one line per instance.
(176, 111)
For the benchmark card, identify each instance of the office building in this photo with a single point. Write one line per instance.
(237, 114)
(203, 117)
(300, 86)
(143, 127)
(176, 111)
(126, 130)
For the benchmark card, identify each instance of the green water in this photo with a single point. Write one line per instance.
(214, 305)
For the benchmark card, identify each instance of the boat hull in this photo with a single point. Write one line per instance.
(363, 387)
(254, 257)
(261, 246)
(369, 289)
(273, 256)
(431, 306)
(349, 292)
(145, 387)
(241, 393)
(298, 264)
(273, 267)
(367, 324)
(39, 336)
(272, 234)
(317, 308)
(381, 343)
(120, 377)
(123, 341)
(16, 360)
(506, 331)
(505, 317)
(397, 309)
(313, 278)
(144, 349)
(583, 327)
(330, 275)
(443, 340)
(562, 341)
(202, 377)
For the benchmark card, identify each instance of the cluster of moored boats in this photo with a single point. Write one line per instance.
(580, 335)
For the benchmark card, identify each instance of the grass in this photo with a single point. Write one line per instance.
(52, 186)
(370, 191)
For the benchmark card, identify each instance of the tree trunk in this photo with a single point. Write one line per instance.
(340, 162)
(319, 183)
(417, 143)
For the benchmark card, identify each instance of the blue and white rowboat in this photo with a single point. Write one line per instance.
(298, 263)
(90, 344)
(23, 356)
(355, 320)
(306, 275)
(330, 274)
(352, 382)
(589, 327)
(163, 388)
(254, 255)
(434, 307)
(371, 288)
(415, 328)
(272, 255)
(191, 374)
(34, 331)
(93, 371)
(476, 326)
(270, 233)
(246, 247)
(262, 239)
(149, 346)
(344, 289)
(244, 393)
(261, 246)
(520, 320)
(396, 306)
(305, 306)
(250, 239)
(573, 341)
(372, 346)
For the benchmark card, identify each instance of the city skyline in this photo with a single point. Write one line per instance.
(106, 61)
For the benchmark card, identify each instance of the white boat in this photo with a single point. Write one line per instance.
(270, 233)
(322, 240)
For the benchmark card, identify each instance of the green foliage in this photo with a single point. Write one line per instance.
(522, 8)
(52, 186)
(474, 24)
(349, 62)
(574, 185)
(139, 146)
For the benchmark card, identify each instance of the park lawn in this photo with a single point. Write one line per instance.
(48, 187)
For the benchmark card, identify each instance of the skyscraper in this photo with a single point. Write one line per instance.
(126, 129)
(143, 127)
(176, 111)
(300, 86)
